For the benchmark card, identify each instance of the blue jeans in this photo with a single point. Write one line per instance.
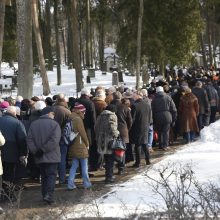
(85, 175)
(62, 164)
(150, 136)
(189, 136)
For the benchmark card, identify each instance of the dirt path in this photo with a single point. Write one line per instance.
(31, 203)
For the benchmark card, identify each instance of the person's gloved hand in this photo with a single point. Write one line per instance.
(23, 160)
(39, 153)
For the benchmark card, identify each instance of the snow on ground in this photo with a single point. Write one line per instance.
(68, 79)
(136, 196)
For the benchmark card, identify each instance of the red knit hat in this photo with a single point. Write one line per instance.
(79, 107)
(4, 104)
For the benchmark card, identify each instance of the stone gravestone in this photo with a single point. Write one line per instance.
(115, 78)
(120, 76)
(145, 75)
(91, 72)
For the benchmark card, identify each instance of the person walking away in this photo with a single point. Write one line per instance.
(204, 106)
(142, 118)
(2, 142)
(124, 123)
(78, 151)
(89, 123)
(189, 110)
(15, 149)
(62, 114)
(164, 115)
(106, 129)
(213, 100)
(43, 141)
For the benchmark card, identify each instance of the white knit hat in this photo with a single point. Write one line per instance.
(39, 105)
(159, 89)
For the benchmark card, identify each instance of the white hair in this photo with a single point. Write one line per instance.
(12, 110)
(19, 98)
(144, 92)
(61, 96)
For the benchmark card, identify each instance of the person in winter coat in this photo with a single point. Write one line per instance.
(99, 101)
(124, 123)
(15, 149)
(142, 118)
(43, 141)
(78, 151)
(35, 114)
(151, 130)
(106, 129)
(89, 123)
(204, 107)
(213, 100)
(189, 110)
(62, 113)
(164, 115)
(2, 142)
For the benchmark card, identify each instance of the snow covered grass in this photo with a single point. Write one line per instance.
(138, 196)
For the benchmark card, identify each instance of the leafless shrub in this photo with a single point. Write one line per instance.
(184, 196)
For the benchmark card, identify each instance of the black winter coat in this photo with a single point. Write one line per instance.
(15, 136)
(124, 119)
(90, 115)
(142, 118)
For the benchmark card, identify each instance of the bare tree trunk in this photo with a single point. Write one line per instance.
(57, 42)
(138, 58)
(101, 47)
(25, 56)
(46, 87)
(88, 34)
(76, 49)
(203, 51)
(48, 36)
(2, 21)
(209, 36)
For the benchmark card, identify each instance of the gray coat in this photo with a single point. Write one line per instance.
(202, 97)
(163, 109)
(45, 134)
(105, 129)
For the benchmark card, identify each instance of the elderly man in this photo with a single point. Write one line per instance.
(142, 118)
(62, 113)
(164, 115)
(15, 149)
(43, 141)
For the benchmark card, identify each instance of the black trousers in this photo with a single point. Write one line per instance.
(9, 172)
(163, 135)
(48, 173)
(138, 151)
(109, 166)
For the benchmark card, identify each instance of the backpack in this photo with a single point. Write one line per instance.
(68, 134)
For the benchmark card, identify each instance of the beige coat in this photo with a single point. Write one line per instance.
(79, 149)
(2, 142)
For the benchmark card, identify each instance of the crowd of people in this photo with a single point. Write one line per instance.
(32, 141)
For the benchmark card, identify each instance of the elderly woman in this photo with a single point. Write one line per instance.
(188, 110)
(78, 151)
(106, 129)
